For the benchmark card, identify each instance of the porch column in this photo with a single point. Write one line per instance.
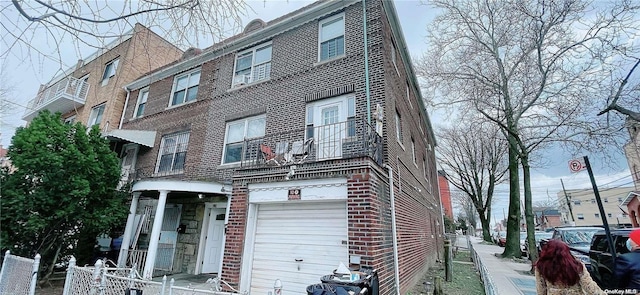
(155, 236)
(126, 239)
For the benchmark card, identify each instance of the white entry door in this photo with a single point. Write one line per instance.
(127, 162)
(331, 129)
(168, 237)
(213, 244)
(298, 244)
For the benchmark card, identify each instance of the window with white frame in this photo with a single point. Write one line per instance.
(253, 65)
(173, 153)
(409, 96)
(577, 202)
(185, 88)
(398, 127)
(110, 70)
(142, 101)
(236, 132)
(331, 37)
(413, 151)
(393, 57)
(580, 216)
(96, 115)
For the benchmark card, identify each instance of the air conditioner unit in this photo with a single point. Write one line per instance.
(242, 80)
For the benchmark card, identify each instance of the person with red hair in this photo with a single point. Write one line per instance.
(559, 273)
(627, 270)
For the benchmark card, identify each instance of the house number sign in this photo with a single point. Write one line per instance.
(294, 194)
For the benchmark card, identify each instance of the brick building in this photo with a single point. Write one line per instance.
(283, 151)
(92, 91)
(445, 194)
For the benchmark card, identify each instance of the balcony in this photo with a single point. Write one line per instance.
(350, 139)
(63, 96)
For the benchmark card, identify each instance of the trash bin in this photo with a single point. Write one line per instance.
(366, 285)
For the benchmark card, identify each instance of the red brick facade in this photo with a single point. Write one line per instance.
(297, 79)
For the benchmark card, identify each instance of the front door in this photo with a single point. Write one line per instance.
(128, 162)
(168, 237)
(331, 129)
(213, 243)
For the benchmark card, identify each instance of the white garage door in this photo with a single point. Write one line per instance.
(298, 244)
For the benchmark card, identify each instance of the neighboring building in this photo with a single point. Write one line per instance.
(632, 152)
(445, 194)
(92, 92)
(4, 160)
(547, 218)
(283, 151)
(585, 208)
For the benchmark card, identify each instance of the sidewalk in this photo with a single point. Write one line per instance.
(501, 276)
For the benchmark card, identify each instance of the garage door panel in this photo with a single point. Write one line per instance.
(315, 233)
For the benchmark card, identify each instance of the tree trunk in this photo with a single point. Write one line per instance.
(528, 208)
(512, 247)
(484, 221)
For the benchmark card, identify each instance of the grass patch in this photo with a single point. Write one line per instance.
(465, 280)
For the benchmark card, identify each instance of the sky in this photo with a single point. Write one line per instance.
(26, 76)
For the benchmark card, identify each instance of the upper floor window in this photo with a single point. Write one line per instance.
(413, 151)
(237, 132)
(331, 37)
(142, 101)
(185, 88)
(576, 202)
(398, 127)
(96, 115)
(580, 216)
(252, 65)
(173, 153)
(109, 70)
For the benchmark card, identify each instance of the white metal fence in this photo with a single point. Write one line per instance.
(18, 275)
(100, 280)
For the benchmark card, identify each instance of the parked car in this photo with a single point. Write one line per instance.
(579, 240)
(602, 265)
(500, 238)
(523, 239)
(539, 235)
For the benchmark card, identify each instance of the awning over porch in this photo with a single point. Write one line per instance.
(141, 137)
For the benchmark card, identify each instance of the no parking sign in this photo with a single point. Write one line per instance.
(577, 165)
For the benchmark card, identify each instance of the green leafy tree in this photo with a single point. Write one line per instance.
(61, 190)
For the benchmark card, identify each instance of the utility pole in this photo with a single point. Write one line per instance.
(568, 202)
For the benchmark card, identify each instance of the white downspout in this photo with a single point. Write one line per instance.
(126, 103)
(394, 229)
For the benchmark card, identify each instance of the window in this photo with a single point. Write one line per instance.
(593, 201)
(185, 88)
(413, 151)
(96, 115)
(252, 65)
(109, 70)
(409, 96)
(597, 215)
(606, 200)
(331, 37)
(142, 101)
(576, 202)
(609, 215)
(580, 216)
(237, 132)
(173, 153)
(393, 57)
(398, 127)
(619, 199)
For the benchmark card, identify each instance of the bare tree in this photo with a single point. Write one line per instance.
(472, 154)
(467, 209)
(533, 68)
(96, 23)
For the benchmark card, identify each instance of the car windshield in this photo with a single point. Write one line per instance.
(543, 235)
(579, 236)
(523, 236)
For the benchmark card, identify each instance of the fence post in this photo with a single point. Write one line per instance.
(4, 264)
(164, 284)
(96, 277)
(103, 279)
(69, 279)
(447, 260)
(34, 275)
(173, 282)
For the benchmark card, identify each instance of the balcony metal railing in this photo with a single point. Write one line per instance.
(68, 88)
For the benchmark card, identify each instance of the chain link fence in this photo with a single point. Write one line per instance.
(100, 280)
(18, 275)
